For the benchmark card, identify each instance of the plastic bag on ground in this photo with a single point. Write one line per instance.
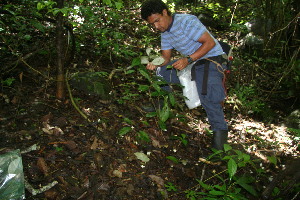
(11, 176)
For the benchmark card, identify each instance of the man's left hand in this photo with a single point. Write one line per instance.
(181, 63)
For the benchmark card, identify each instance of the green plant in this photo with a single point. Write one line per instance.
(170, 187)
(58, 149)
(156, 93)
(182, 138)
(143, 136)
(231, 187)
(248, 99)
(8, 81)
(296, 132)
(174, 159)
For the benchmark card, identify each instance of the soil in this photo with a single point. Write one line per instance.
(91, 159)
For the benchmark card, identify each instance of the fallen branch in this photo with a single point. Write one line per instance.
(72, 99)
(40, 190)
(112, 73)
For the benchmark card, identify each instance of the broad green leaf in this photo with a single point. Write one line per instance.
(243, 182)
(227, 147)
(119, 5)
(148, 51)
(40, 6)
(246, 157)
(130, 71)
(135, 62)
(232, 168)
(127, 120)
(151, 114)
(27, 37)
(107, 2)
(156, 87)
(222, 188)
(144, 60)
(125, 130)
(217, 193)
(174, 159)
(143, 136)
(55, 11)
(38, 25)
(141, 156)
(172, 99)
(205, 186)
(272, 159)
(158, 61)
(145, 74)
(143, 88)
(165, 112)
(162, 125)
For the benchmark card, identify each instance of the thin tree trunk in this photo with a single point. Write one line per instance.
(60, 90)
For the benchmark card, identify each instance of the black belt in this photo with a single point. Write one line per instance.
(205, 62)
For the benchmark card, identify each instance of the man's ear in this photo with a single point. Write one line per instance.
(165, 12)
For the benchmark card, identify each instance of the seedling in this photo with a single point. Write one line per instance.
(156, 60)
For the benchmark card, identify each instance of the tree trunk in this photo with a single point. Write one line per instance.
(60, 90)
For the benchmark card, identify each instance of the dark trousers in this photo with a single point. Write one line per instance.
(211, 102)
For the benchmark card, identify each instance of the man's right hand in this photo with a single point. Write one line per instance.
(150, 66)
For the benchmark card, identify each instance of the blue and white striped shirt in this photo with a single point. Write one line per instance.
(183, 35)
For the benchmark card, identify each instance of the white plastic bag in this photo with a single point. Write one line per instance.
(190, 88)
(11, 176)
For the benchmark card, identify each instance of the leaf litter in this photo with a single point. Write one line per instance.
(80, 160)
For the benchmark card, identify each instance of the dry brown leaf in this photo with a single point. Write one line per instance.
(51, 194)
(117, 173)
(47, 118)
(130, 189)
(95, 144)
(41, 163)
(155, 142)
(158, 180)
(71, 144)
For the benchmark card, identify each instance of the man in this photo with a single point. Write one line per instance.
(186, 34)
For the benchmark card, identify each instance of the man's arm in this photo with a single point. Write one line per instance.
(166, 54)
(207, 44)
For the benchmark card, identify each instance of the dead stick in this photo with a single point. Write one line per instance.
(72, 99)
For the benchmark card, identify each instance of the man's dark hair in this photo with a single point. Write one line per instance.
(150, 7)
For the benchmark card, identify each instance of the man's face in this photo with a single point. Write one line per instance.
(160, 21)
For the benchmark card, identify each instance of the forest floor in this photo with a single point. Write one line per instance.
(90, 160)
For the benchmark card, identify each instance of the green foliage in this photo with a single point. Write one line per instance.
(182, 138)
(233, 187)
(124, 131)
(155, 91)
(295, 131)
(7, 82)
(170, 187)
(247, 99)
(143, 136)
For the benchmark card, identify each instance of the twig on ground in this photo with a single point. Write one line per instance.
(40, 190)
(72, 99)
(112, 73)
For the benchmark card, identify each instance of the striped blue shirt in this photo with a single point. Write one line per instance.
(183, 35)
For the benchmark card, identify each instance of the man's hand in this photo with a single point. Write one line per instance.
(181, 63)
(150, 66)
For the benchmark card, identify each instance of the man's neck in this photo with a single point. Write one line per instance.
(171, 19)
